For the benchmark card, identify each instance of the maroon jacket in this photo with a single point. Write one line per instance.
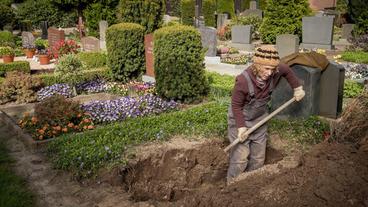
(240, 94)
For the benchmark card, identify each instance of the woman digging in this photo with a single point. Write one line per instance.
(251, 93)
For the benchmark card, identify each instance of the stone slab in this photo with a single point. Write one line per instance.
(209, 40)
(287, 44)
(244, 47)
(317, 30)
(241, 34)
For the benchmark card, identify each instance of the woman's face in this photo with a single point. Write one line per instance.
(265, 71)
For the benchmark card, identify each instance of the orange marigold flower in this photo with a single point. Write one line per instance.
(54, 132)
(79, 115)
(87, 120)
(84, 127)
(70, 125)
(65, 129)
(58, 128)
(34, 119)
(91, 127)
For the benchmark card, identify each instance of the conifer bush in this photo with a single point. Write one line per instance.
(179, 67)
(125, 48)
(187, 12)
(283, 17)
(209, 8)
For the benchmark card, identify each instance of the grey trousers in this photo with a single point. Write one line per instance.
(249, 155)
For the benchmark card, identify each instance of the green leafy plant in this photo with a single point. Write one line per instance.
(187, 12)
(352, 89)
(68, 69)
(41, 44)
(6, 51)
(93, 59)
(19, 87)
(225, 6)
(22, 66)
(357, 57)
(6, 39)
(125, 48)
(283, 17)
(208, 10)
(179, 67)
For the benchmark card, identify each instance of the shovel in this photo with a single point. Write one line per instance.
(260, 123)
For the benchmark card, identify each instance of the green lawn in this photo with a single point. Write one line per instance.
(13, 189)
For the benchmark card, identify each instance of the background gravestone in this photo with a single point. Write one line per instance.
(253, 5)
(221, 20)
(44, 26)
(209, 40)
(148, 50)
(103, 25)
(54, 36)
(27, 39)
(346, 31)
(309, 105)
(90, 43)
(241, 34)
(253, 10)
(287, 44)
(332, 90)
(317, 32)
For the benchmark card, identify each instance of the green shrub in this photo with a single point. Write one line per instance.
(44, 10)
(187, 12)
(209, 9)
(226, 6)
(93, 59)
(359, 13)
(357, 57)
(22, 66)
(106, 144)
(99, 73)
(174, 7)
(125, 47)
(352, 89)
(283, 17)
(220, 85)
(6, 39)
(7, 51)
(19, 87)
(68, 69)
(148, 13)
(96, 12)
(6, 16)
(179, 67)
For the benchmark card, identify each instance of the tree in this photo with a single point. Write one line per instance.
(79, 5)
(283, 17)
(358, 12)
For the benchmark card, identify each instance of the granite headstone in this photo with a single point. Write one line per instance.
(209, 40)
(317, 32)
(287, 44)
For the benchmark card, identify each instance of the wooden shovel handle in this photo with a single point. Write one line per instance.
(260, 123)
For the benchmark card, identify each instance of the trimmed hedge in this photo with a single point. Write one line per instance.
(93, 59)
(22, 66)
(125, 48)
(209, 9)
(187, 12)
(226, 6)
(283, 17)
(6, 39)
(179, 67)
(148, 13)
(99, 73)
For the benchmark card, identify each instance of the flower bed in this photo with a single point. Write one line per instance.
(236, 60)
(127, 107)
(355, 71)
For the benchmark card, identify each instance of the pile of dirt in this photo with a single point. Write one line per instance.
(178, 169)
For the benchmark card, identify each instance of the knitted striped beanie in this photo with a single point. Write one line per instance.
(266, 55)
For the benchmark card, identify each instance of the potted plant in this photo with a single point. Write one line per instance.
(44, 56)
(29, 50)
(7, 53)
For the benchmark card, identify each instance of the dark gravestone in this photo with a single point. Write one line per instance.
(27, 40)
(55, 35)
(332, 90)
(209, 40)
(44, 26)
(309, 105)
